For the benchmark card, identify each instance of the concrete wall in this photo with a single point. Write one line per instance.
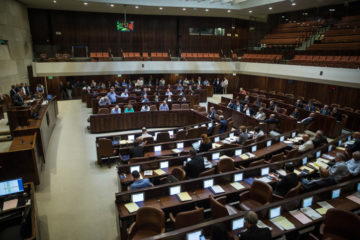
(17, 55)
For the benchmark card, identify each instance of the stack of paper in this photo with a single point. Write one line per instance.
(264, 179)
(321, 164)
(283, 223)
(131, 207)
(260, 224)
(325, 204)
(10, 204)
(237, 185)
(217, 189)
(159, 171)
(148, 173)
(322, 160)
(297, 172)
(300, 216)
(340, 148)
(216, 145)
(184, 196)
(247, 155)
(175, 150)
(308, 211)
(322, 211)
(354, 198)
(314, 165)
(307, 169)
(328, 156)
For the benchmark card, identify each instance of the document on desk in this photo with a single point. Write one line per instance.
(300, 216)
(237, 185)
(148, 172)
(10, 204)
(260, 224)
(132, 207)
(297, 172)
(217, 189)
(175, 150)
(159, 171)
(264, 179)
(184, 196)
(322, 160)
(281, 172)
(247, 155)
(354, 198)
(282, 223)
(321, 210)
(328, 156)
(314, 165)
(308, 211)
(216, 145)
(340, 148)
(307, 169)
(325, 204)
(321, 164)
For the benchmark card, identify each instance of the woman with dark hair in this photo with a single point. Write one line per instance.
(219, 232)
(205, 144)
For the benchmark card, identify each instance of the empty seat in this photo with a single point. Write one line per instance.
(162, 137)
(259, 194)
(175, 106)
(219, 208)
(226, 165)
(187, 218)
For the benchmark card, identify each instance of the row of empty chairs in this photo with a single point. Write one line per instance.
(200, 56)
(137, 56)
(262, 58)
(328, 61)
(59, 57)
(99, 56)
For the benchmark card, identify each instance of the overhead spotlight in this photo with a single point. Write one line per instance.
(282, 16)
(161, 8)
(228, 10)
(206, 10)
(54, 1)
(184, 9)
(293, 4)
(85, 3)
(270, 8)
(136, 7)
(250, 11)
(112, 5)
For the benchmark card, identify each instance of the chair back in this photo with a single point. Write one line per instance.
(149, 140)
(105, 147)
(261, 192)
(103, 111)
(179, 173)
(344, 224)
(294, 191)
(216, 129)
(185, 106)
(249, 141)
(277, 157)
(153, 108)
(192, 133)
(202, 130)
(209, 172)
(344, 119)
(261, 138)
(350, 109)
(189, 218)
(180, 135)
(218, 210)
(229, 126)
(163, 137)
(175, 106)
(292, 153)
(226, 165)
(150, 218)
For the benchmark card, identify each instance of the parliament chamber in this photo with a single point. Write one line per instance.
(181, 120)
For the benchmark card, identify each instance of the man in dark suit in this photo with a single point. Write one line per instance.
(12, 91)
(356, 145)
(298, 104)
(334, 113)
(287, 182)
(223, 124)
(309, 119)
(212, 113)
(195, 166)
(272, 119)
(319, 139)
(17, 100)
(253, 232)
(137, 150)
(325, 110)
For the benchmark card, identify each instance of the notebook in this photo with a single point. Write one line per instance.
(184, 196)
(159, 171)
(132, 207)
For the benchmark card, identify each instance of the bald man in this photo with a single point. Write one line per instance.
(307, 145)
(253, 231)
(356, 145)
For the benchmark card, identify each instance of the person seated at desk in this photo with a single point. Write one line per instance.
(138, 182)
(258, 133)
(219, 231)
(195, 166)
(335, 114)
(116, 110)
(179, 87)
(271, 105)
(137, 150)
(145, 99)
(168, 92)
(112, 95)
(125, 94)
(253, 232)
(247, 110)
(223, 124)
(144, 133)
(117, 84)
(17, 99)
(212, 113)
(260, 115)
(272, 119)
(129, 109)
(104, 101)
(144, 92)
(169, 99)
(182, 99)
(40, 89)
(325, 110)
(278, 109)
(145, 108)
(356, 145)
(124, 84)
(243, 135)
(288, 181)
(238, 107)
(211, 129)
(242, 91)
(205, 144)
(309, 119)
(231, 104)
(319, 139)
(295, 114)
(307, 144)
(156, 98)
(353, 165)
(246, 99)
(163, 106)
(298, 104)
(310, 107)
(181, 93)
(258, 102)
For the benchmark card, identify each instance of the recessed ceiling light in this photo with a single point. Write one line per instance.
(270, 8)
(136, 6)
(206, 10)
(228, 10)
(282, 16)
(250, 11)
(54, 1)
(85, 3)
(293, 4)
(161, 8)
(184, 9)
(112, 5)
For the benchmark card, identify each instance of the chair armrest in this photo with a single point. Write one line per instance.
(313, 237)
(172, 218)
(244, 195)
(276, 197)
(221, 200)
(321, 229)
(241, 167)
(267, 162)
(131, 229)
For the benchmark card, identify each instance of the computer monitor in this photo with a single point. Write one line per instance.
(215, 156)
(134, 168)
(180, 145)
(157, 149)
(11, 187)
(217, 139)
(238, 177)
(171, 133)
(164, 164)
(156, 135)
(358, 187)
(210, 125)
(237, 223)
(293, 134)
(253, 148)
(304, 161)
(131, 137)
(307, 202)
(196, 145)
(349, 138)
(137, 197)
(265, 171)
(335, 193)
(238, 152)
(318, 154)
(175, 190)
(268, 143)
(208, 183)
(339, 143)
(193, 235)
(329, 148)
(231, 135)
(274, 212)
(282, 138)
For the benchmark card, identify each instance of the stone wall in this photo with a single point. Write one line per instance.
(17, 54)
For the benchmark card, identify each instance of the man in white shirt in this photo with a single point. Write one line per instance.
(260, 115)
(168, 92)
(258, 133)
(144, 133)
(116, 110)
(307, 145)
(124, 94)
(225, 84)
(145, 108)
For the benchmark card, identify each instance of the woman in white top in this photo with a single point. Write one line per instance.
(145, 108)
(260, 115)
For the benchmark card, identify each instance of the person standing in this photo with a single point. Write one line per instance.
(69, 90)
(225, 84)
(63, 93)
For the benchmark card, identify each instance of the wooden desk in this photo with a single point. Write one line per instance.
(160, 119)
(20, 116)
